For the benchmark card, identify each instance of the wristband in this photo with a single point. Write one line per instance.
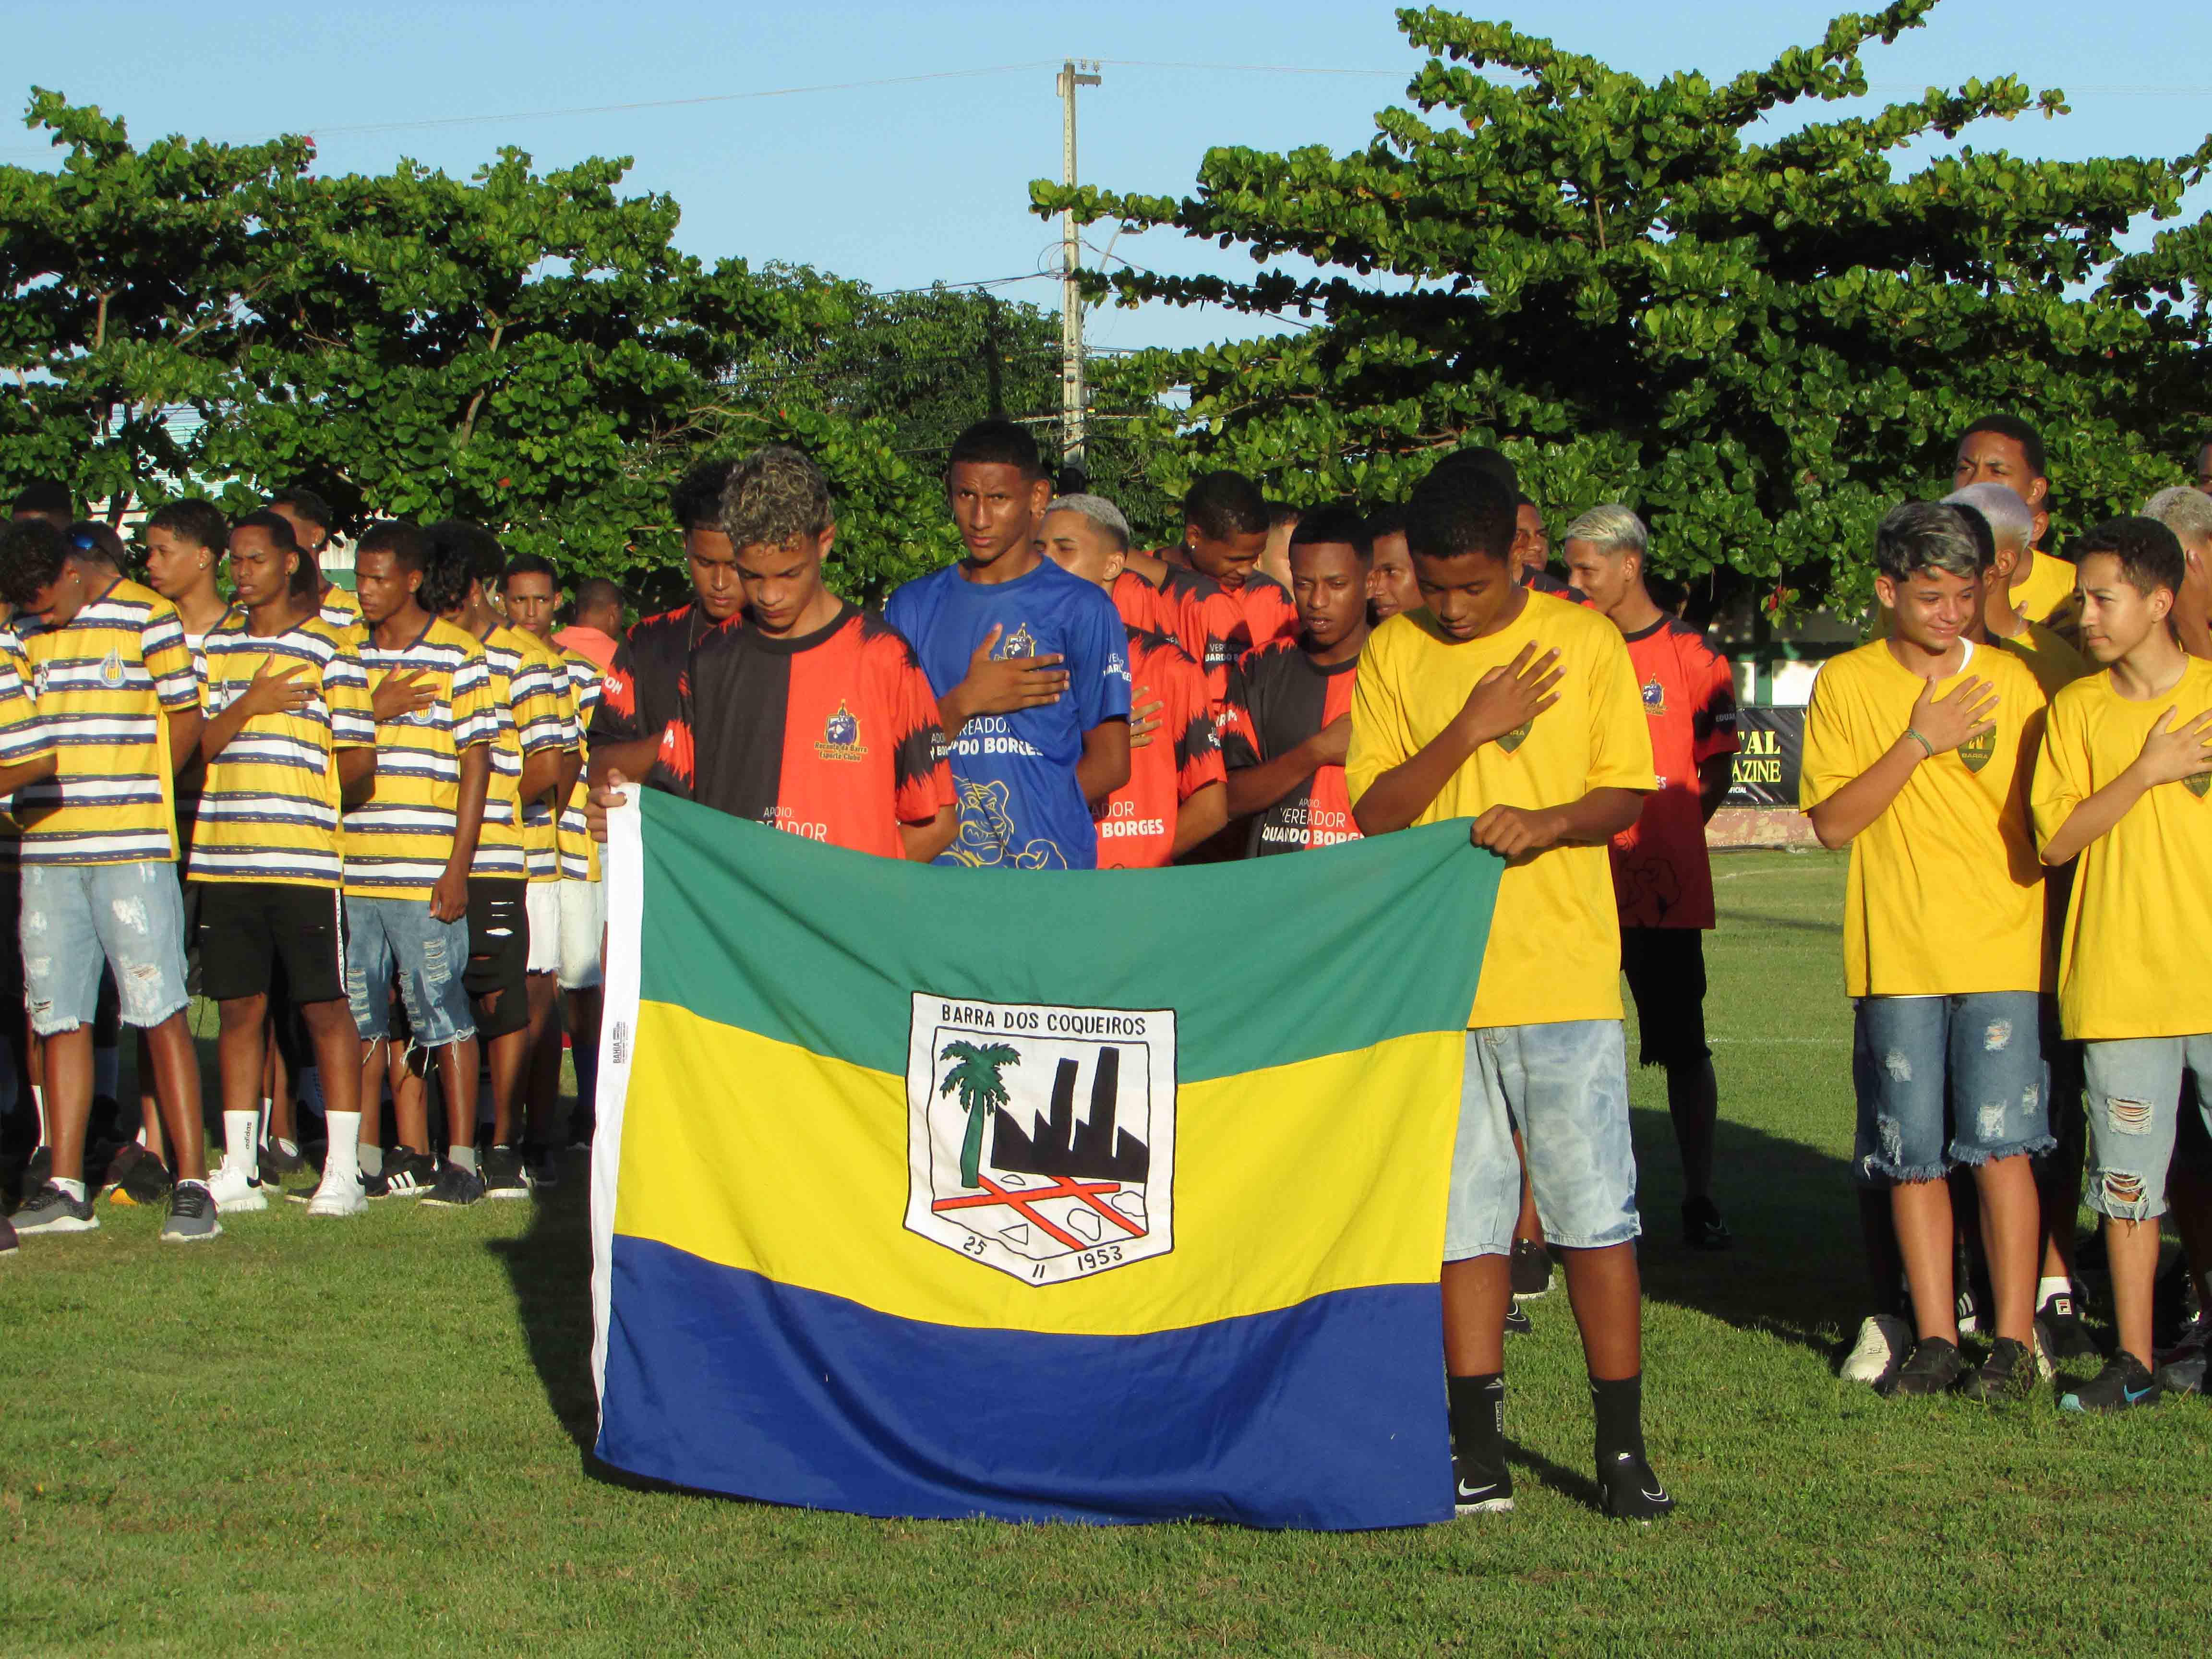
(1922, 741)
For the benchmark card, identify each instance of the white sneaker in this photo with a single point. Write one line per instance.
(340, 1197)
(1884, 1341)
(236, 1192)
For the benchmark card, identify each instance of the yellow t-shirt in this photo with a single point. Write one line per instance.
(2054, 663)
(1554, 950)
(398, 841)
(546, 715)
(2047, 595)
(528, 711)
(1945, 894)
(2132, 955)
(579, 854)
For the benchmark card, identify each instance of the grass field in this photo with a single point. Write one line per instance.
(372, 1437)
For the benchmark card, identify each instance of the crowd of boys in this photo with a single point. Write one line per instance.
(334, 797)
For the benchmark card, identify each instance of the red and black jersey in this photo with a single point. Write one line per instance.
(1137, 823)
(1218, 626)
(1543, 581)
(833, 735)
(1278, 696)
(1662, 877)
(645, 686)
(1144, 606)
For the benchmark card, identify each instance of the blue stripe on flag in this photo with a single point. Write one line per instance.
(1327, 1415)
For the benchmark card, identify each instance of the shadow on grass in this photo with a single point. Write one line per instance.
(550, 1269)
(1797, 1271)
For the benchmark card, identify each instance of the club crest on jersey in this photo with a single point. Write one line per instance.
(1021, 643)
(1655, 696)
(111, 670)
(841, 736)
(1041, 1140)
(1976, 752)
(1519, 735)
(2197, 785)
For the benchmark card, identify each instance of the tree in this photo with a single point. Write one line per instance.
(1761, 344)
(982, 1092)
(530, 351)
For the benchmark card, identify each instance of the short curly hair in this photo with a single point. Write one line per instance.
(774, 494)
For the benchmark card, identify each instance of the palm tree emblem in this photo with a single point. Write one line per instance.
(982, 1092)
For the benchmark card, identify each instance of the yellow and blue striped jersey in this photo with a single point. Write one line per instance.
(398, 841)
(579, 854)
(269, 809)
(540, 825)
(23, 736)
(341, 609)
(527, 720)
(104, 683)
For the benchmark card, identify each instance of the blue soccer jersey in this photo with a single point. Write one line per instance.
(1013, 775)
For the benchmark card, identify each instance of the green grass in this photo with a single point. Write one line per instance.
(370, 1437)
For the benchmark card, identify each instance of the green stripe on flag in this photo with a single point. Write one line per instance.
(1266, 962)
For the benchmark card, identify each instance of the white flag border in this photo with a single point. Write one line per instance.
(623, 868)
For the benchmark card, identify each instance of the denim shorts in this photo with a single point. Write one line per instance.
(1969, 1066)
(78, 916)
(2135, 1112)
(382, 934)
(1566, 1086)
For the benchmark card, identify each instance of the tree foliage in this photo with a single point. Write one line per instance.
(529, 350)
(1760, 343)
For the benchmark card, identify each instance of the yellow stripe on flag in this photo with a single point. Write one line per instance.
(759, 1155)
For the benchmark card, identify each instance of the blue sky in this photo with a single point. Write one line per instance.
(901, 185)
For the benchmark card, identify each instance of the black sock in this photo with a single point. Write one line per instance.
(1619, 1405)
(1477, 1418)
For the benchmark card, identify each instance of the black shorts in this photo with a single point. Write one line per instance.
(1666, 970)
(499, 955)
(249, 929)
(11, 959)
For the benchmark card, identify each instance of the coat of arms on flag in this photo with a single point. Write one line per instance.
(1041, 1141)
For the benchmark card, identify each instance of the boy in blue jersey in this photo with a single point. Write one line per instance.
(1029, 665)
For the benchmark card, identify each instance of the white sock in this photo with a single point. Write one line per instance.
(240, 1149)
(2047, 1288)
(372, 1160)
(73, 1188)
(106, 1071)
(39, 1105)
(344, 1157)
(463, 1157)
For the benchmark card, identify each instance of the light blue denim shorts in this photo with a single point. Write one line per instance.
(77, 917)
(2135, 1112)
(1566, 1086)
(431, 957)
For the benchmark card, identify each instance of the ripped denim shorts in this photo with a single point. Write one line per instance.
(2134, 1110)
(430, 956)
(1943, 1081)
(78, 918)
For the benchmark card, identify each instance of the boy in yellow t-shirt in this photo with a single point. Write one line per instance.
(1520, 712)
(2125, 781)
(1918, 751)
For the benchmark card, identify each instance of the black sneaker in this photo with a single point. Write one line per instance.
(374, 1186)
(1532, 1268)
(1702, 1228)
(279, 1165)
(2181, 1367)
(408, 1172)
(457, 1189)
(502, 1174)
(2066, 1334)
(2169, 1305)
(2008, 1373)
(541, 1168)
(1629, 1491)
(2123, 1384)
(1933, 1366)
(38, 1168)
(1478, 1489)
(146, 1180)
(51, 1210)
(1518, 1323)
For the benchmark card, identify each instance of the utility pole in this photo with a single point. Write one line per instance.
(1072, 414)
